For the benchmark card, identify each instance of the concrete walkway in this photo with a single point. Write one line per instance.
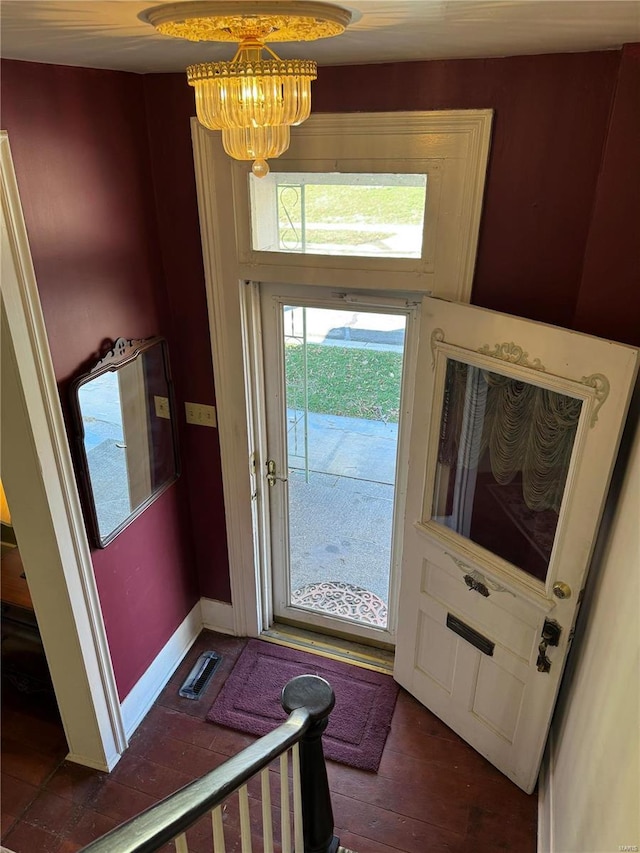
(358, 448)
(341, 520)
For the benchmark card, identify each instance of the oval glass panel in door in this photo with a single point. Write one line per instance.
(504, 452)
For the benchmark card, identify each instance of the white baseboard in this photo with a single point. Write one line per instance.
(207, 613)
(105, 766)
(545, 800)
(136, 705)
(217, 616)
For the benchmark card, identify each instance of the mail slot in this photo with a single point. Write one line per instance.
(470, 635)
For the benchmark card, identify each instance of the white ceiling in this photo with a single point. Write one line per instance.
(108, 33)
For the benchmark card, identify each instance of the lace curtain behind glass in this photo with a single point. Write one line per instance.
(528, 430)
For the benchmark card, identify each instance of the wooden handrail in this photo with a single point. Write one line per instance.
(309, 700)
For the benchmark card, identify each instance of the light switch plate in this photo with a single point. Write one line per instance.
(201, 414)
(162, 407)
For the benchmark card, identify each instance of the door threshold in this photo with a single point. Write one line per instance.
(335, 648)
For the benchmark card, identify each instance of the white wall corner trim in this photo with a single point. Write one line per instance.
(136, 705)
(40, 478)
(590, 783)
(217, 616)
(88, 761)
(220, 264)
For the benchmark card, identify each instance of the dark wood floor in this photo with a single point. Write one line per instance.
(432, 793)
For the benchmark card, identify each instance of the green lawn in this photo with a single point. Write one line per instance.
(357, 383)
(374, 205)
(351, 206)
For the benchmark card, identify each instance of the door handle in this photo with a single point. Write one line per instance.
(271, 473)
(550, 637)
(561, 590)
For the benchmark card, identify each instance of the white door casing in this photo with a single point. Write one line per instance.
(500, 703)
(453, 146)
(45, 506)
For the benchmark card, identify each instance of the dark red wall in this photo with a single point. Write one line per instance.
(549, 126)
(169, 102)
(79, 144)
(609, 299)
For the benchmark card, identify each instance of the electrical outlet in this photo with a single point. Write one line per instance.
(162, 407)
(201, 414)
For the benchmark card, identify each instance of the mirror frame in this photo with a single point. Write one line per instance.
(123, 352)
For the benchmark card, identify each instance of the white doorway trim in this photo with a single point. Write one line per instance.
(224, 301)
(457, 139)
(38, 476)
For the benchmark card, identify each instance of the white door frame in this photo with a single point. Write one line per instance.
(458, 139)
(409, 308)
(38, 476)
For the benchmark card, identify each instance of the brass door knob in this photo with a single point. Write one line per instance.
(561, 590)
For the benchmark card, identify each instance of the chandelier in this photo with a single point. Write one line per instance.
(253, 100)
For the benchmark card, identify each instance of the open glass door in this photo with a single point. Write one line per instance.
(514, 434)
(333, 381)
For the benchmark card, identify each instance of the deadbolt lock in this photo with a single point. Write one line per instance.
(561, 590)
(551, 631)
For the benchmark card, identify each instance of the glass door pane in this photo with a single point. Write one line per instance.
(343, 374)
(503, 458)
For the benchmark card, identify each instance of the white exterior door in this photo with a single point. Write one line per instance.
(514, 434)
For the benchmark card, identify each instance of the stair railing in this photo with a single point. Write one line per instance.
(308, 699)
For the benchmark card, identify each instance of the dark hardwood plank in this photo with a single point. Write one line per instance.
(412, 799)
(432, 793)
(407, 834)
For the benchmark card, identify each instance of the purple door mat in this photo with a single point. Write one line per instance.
(358, 725)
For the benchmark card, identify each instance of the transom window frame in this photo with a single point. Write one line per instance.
(432, 169)
(450, 147)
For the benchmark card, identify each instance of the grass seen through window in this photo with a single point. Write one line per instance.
(374, 205)
(356, 383)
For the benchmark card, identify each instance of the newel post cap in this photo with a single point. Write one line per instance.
(310, 692)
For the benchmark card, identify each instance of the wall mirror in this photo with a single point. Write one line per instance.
(124, 417)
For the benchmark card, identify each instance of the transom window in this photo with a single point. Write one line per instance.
(359, 214)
